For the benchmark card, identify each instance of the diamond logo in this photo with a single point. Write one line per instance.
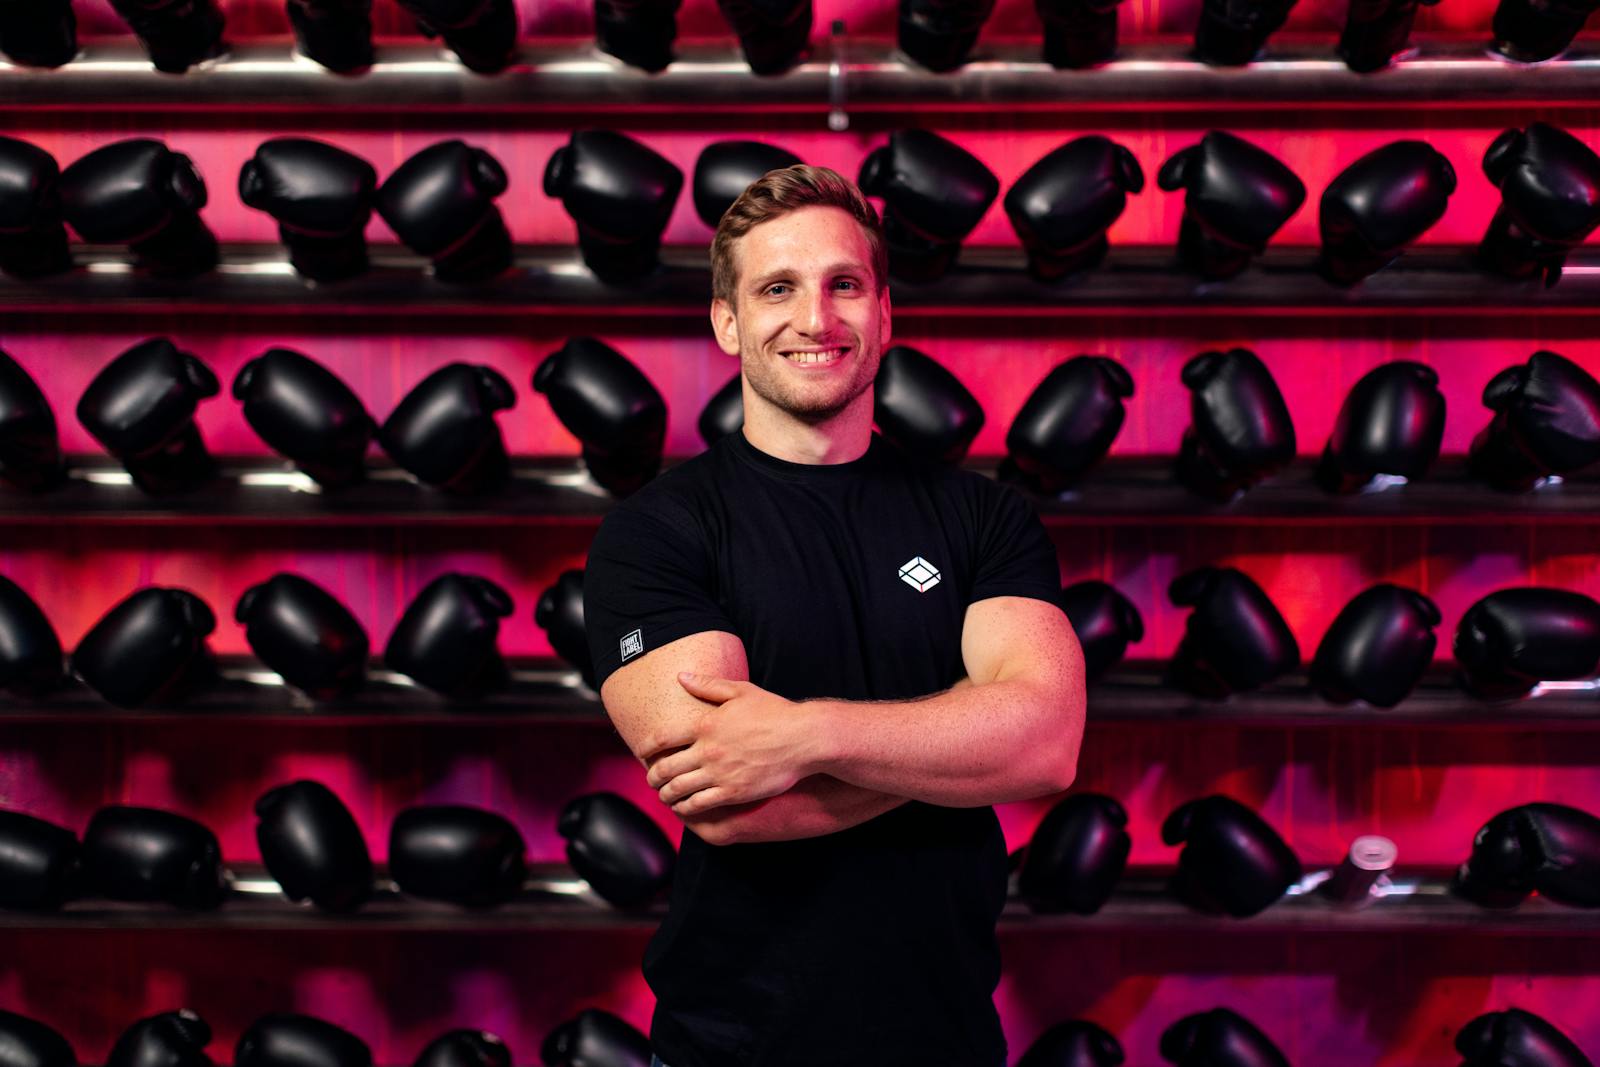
(919, 574)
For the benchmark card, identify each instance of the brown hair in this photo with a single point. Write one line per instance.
(777, 193)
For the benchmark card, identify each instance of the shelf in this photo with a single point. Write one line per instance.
(554, 898)
(1131, 491)
(546, 690)
(556, 80)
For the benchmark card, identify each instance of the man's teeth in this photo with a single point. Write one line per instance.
(815, 357)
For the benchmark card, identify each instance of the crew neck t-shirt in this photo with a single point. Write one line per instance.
(874, 946)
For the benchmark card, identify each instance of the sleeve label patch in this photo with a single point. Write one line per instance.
(632, 645)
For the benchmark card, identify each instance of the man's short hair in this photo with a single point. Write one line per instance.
(777, 193)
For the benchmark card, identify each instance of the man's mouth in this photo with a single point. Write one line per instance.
(815, 355)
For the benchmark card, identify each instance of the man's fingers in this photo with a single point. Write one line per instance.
(703, 800)
(705, 687)
(682, 787)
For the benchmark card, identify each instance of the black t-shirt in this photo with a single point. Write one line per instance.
(875, 946)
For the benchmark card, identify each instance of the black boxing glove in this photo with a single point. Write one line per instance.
(440, 203)
(1392, 423)
(724, 170)
(1078, 33)
(1104, 620)
(321, 197)
(1075, 856)
(482, 33)
(1516, 1038)
(1234, 640)
(619, 850)
(306, 413)
(1551, 849)
(291, 1040)
(1236, 197)
(608, 404)
(1232, 861)
(1074, 1043)
(1375, 32)
(30, 448)
(33, 239)
(301, 631)
(171, 1039)
(560, 614)
(934, 194)
(150, 648)
(1219, 1038)
(1066, 425)
(142, 854)
(1063, 205)
(1511, 640)
(1232, 32)
(1549, 184)
(456, 853)
(638, 32)
(939, 34)
(26, 1042)
(335, 33)
(1379, 204)
(723, 413)
(31, 663)
(923, 409)
(312, 846)
(1532, 31)
(444, 431)
(1240, 431)
(177, 33)
(773, 34)
(141, 407)
(38, 868)
(595, 1038)
(620, 193)
(1546, 422)
(464, 1048)
(446, 640)
(140, 193)
(38, 33)
(1377, 647)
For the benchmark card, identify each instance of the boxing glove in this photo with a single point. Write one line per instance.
(620, 194)
(1532, 31)
(459, 854)
(1516, 1038)
(595, 1038)
(1232, 862)
(140, 193)
(1376, 31)
(923, 409)
(38, 33)
(1391, 423)
(444, 431)
(560, 614)
(143, 855)
(1075, 856)
(1549, 184)
(1236, 196)
(440, 203)
(307, 414)
(31, 663)
(610, 407)
(464, 1048)
(1546, 422)
(1074, 1043)
(141, 408)
(177, 33)
(290, 1040)
(482, 33)
(150, 648)
(26, 1042)
(934, 194)
(446, 640)
(1551, 849)
(335, 33)
(1240, 432)
(773, 34)
(723, 413)
(1066, 425)
(1078, 33)
(312, 846)
(33, 239)
(1377, 647)
(1231, 33)
(1234, 640)
(939, 34)
(30, 449)
(1104, 620)
(1513, 639)
(38, 868)
(302, 632)
(1063, 205)
(321, 197)
(619, 850)
(724, 170)
(171, 1039)
(1219, 1038)
(1379, 204)
(638, 32)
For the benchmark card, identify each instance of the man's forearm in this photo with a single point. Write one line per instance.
(815, 806)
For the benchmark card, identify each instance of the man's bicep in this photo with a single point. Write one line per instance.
(644, 699)
(1017, 637)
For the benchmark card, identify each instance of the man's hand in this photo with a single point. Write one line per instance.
(752, 745)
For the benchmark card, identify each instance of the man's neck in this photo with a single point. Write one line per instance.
(840, 439)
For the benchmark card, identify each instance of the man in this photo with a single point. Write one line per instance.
(831, 659)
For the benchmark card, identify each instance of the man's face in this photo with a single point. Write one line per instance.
(807, 323)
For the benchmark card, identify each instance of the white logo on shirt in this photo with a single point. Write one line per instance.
(919, 574)
(632, 645)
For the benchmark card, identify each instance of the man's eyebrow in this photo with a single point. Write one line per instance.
(834, 271)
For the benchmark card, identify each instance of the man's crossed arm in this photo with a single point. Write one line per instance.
(739, 764)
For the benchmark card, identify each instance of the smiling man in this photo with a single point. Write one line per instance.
(831, 659)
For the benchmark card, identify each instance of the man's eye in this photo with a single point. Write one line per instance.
(846, 281)
(771, 288)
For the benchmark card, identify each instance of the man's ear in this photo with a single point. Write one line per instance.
(724, 326)
(886, 329)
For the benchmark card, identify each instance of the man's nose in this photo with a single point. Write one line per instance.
(817, 313)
